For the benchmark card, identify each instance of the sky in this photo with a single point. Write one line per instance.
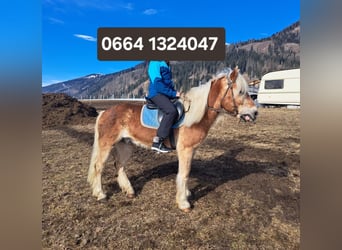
(69, 27)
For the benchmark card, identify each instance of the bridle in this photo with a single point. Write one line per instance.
(235, 112)
(221, 109)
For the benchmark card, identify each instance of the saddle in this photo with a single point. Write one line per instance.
(151, 115)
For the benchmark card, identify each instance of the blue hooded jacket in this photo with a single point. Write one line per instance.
(160, 80)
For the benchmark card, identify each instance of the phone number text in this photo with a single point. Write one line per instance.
(161, 44)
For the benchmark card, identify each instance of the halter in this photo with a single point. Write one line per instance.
(221, 109)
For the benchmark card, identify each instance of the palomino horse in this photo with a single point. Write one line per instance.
(226, 93)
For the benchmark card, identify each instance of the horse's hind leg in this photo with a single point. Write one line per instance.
(101, 148)
(95, 170)
(123, 152)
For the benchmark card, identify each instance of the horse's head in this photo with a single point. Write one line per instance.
(234, 97)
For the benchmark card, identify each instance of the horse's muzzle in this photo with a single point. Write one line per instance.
(248, 117)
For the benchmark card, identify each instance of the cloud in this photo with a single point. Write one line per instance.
(55, 20)
(150, 12)
(90, 4)
(49, 82)
(81, 5)
(128, 6)
(86, 37)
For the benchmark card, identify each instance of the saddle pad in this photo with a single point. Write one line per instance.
(149, 118)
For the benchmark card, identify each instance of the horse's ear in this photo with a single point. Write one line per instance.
(234, 74)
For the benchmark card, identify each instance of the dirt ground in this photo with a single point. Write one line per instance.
(245, 184)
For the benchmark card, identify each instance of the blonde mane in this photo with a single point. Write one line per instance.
(197, 97)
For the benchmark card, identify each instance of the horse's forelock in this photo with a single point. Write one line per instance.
(241, 84)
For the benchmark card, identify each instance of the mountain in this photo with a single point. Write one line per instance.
(116, 85)
(254, 58)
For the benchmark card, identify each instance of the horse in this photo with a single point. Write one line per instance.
(114, 127)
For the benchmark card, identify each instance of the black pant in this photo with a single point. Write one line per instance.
(170, 114)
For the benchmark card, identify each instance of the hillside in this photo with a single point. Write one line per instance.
(254, 57)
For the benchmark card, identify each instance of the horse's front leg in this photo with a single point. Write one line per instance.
(184, 166)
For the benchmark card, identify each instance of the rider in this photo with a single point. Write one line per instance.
(161, 90)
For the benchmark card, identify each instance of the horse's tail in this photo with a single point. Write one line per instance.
(94, 154)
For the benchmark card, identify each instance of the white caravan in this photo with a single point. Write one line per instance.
(280, 88)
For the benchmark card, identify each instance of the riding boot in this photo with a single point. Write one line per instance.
(159, 146)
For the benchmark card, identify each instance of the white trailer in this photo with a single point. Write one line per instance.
(280, 88)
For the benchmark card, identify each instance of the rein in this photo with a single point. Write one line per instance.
(222, 110)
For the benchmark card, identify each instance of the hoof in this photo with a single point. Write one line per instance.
(101, 197)
(186, 210)
(103, 201)
(185, 206)
(131, 196)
